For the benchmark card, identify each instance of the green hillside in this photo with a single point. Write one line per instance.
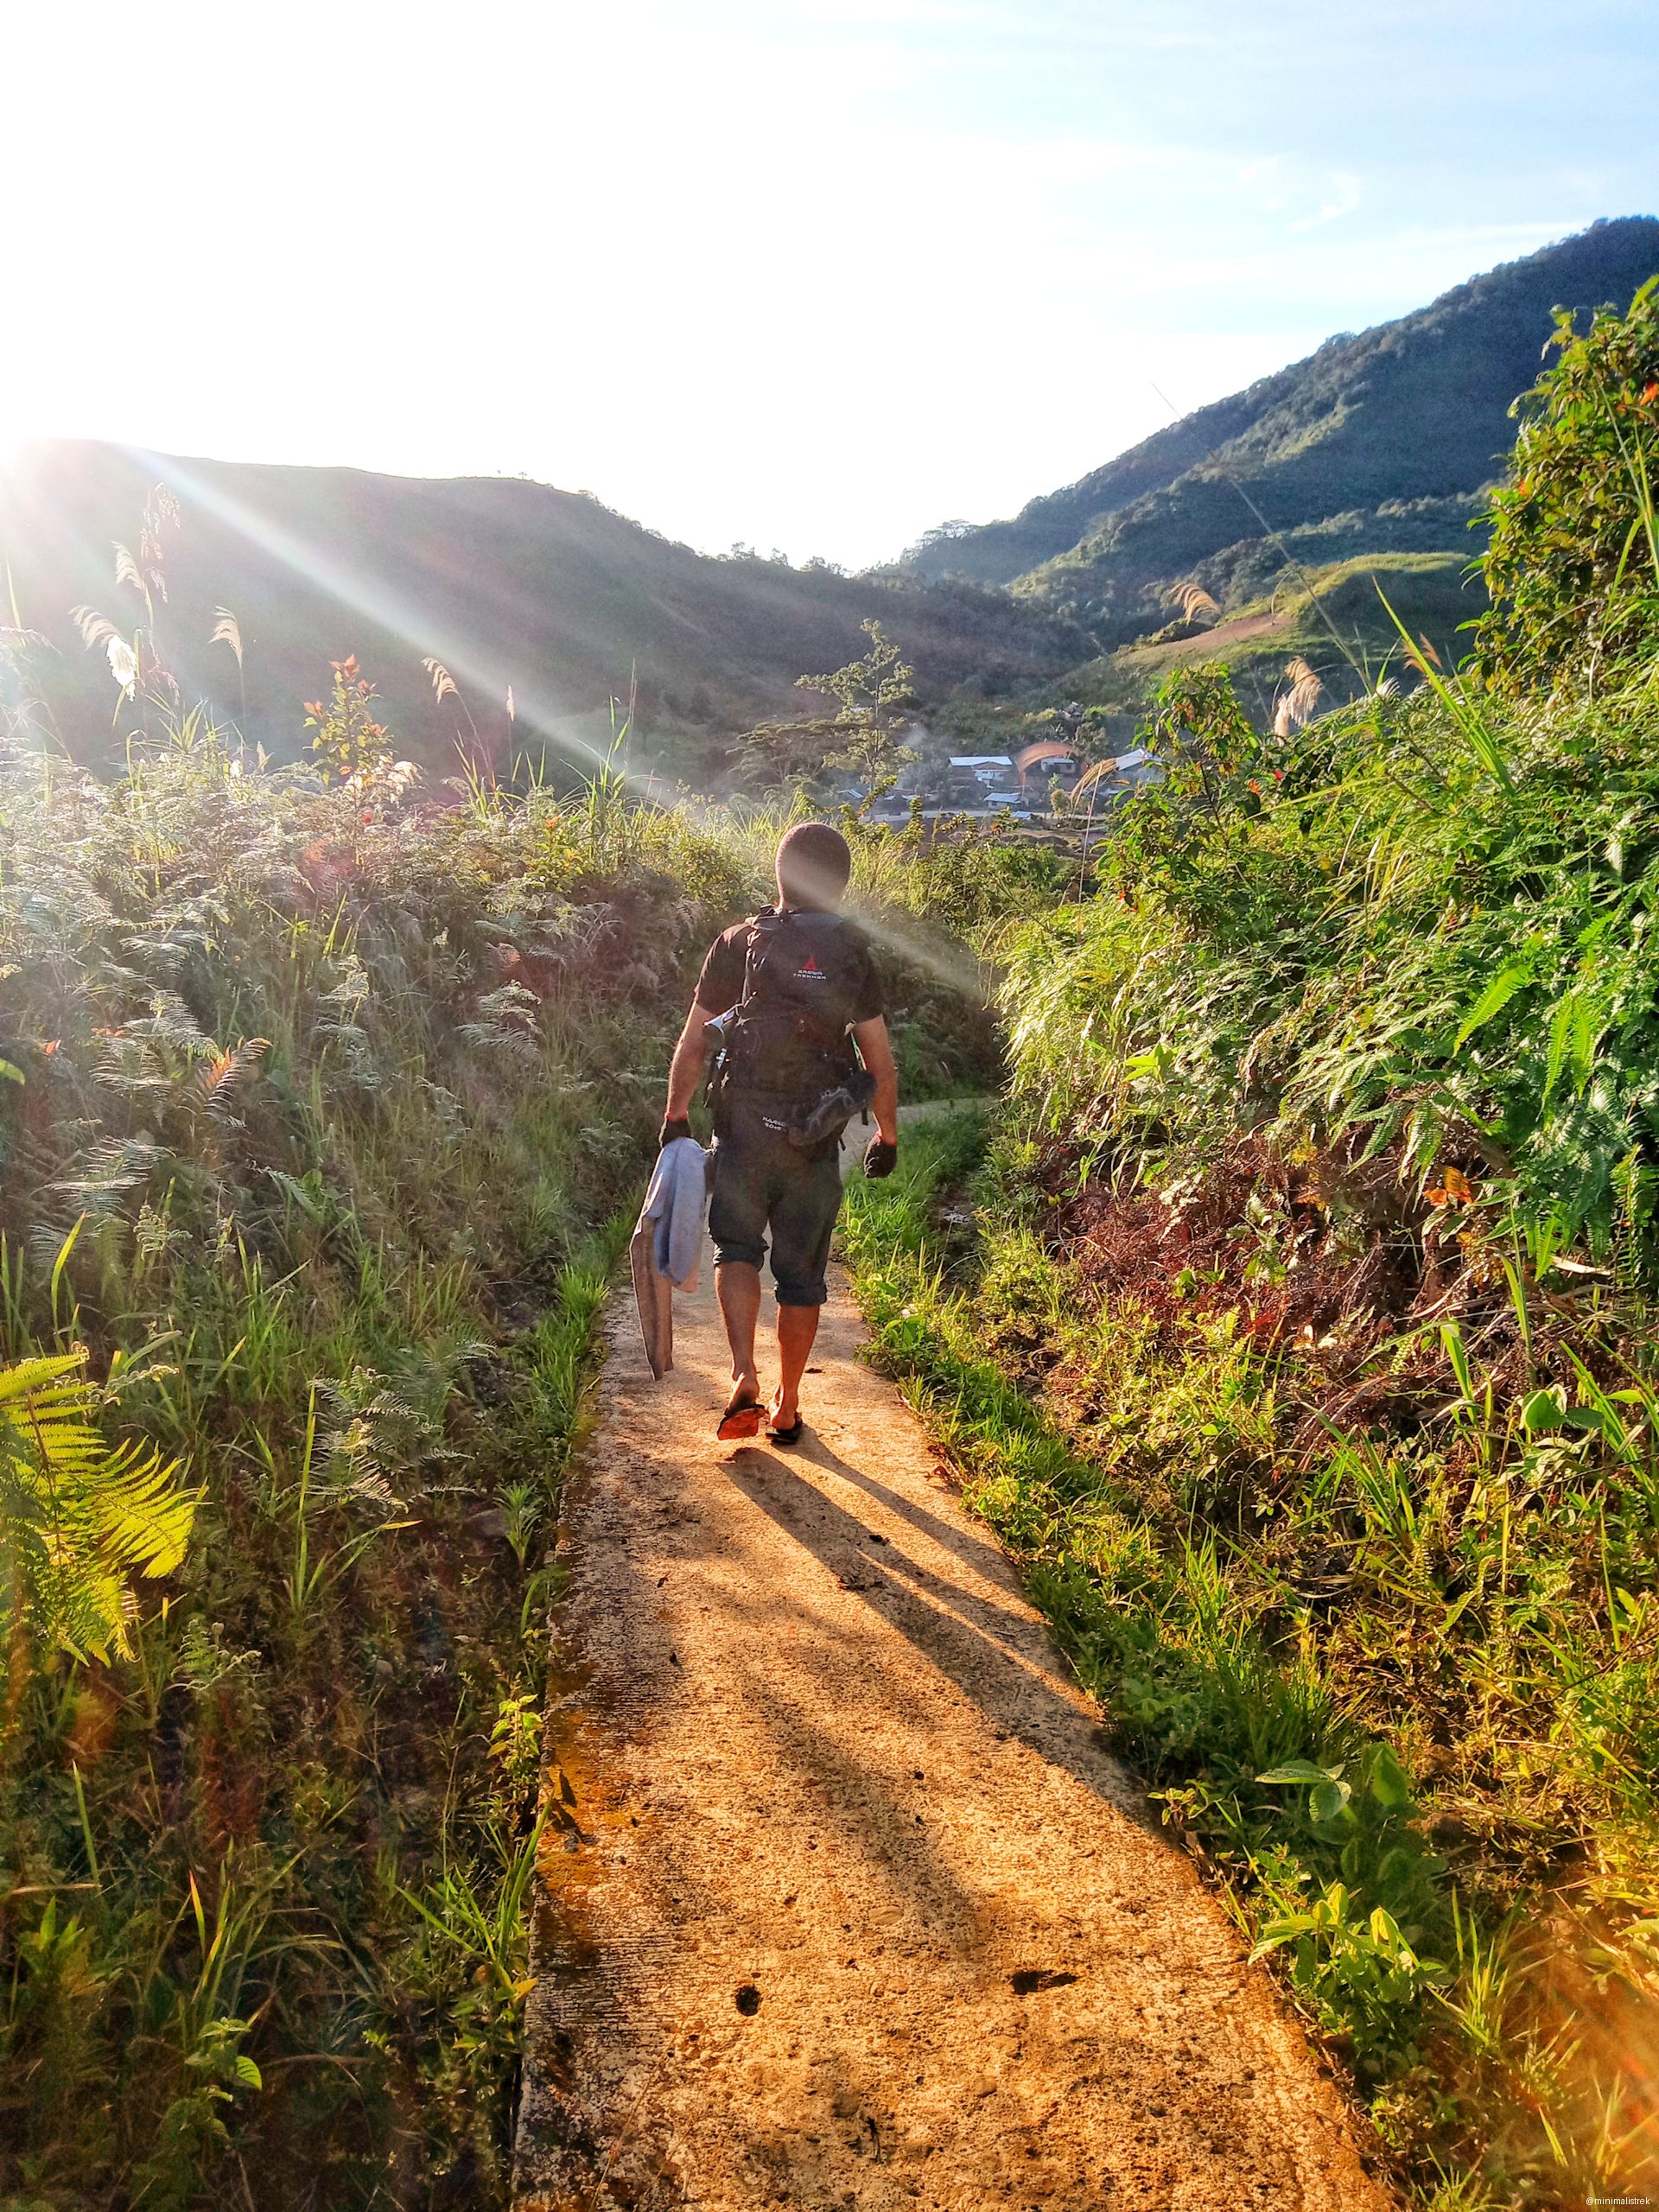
(508, 584)
(1377, 443)
(1279, 505)
(1330, 616)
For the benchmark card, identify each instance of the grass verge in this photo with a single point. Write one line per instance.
(1354, 1676)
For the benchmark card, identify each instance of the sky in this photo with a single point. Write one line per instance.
(806, 275)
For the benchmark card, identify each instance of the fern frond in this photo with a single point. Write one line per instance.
(78, 1517)
(218, 1078)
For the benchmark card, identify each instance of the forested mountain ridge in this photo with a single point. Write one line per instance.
(508, 583)
(1413, 409)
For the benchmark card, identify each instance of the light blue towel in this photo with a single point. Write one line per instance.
(674, 1205)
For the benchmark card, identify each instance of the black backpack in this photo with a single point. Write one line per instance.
(786, 1037)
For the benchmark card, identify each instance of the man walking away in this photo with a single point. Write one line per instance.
(793, 997)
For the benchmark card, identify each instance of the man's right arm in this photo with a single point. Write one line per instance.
(690, 1056)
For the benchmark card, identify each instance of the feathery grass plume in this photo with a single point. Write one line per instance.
(1094, 775)
(161, 514)
(95, 629)
(227, 630)
(1300, 703)
(126, 571)
(445, 687)
(1195, 602)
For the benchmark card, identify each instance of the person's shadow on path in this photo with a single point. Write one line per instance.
(992, 1654)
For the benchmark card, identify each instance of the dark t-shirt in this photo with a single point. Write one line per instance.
(721, 983)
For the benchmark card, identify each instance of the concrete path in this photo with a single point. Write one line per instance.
(848, 1904)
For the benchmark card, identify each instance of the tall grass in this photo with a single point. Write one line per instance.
(320, 1094)
(321, 1104)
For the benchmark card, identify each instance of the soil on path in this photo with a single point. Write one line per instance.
(847, 1903)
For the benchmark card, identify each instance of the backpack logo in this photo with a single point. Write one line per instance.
(811, 970)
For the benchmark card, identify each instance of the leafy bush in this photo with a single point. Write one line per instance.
(1423, 923)
(1573, 563)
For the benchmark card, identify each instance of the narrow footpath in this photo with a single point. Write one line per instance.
(848, 1904)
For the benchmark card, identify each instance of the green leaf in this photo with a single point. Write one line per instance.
(1451, 1337)
(1513, 978)
(1590, 1421)
(1301, 1771)
(1542, 1411)
(1388, 1781)
(1330, 1801)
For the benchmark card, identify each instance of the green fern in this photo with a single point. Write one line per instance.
(78, 1517)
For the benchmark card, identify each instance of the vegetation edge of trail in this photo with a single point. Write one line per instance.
(1299, 1326)
(1441, 1996)
(323, 1107)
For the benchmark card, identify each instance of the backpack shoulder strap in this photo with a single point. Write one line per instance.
(762, 928)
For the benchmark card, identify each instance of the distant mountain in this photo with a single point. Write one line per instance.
(508, 583)
(1374, 443)
(1283, 504)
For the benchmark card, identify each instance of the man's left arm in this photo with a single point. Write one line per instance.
(875, 1050)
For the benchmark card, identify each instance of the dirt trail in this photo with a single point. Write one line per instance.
(854, 1908)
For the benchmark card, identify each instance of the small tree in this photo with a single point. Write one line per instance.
(876, 695)
(1573, 563)
(876, 701)
(348, 741)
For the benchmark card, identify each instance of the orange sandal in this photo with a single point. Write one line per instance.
(741, 1418)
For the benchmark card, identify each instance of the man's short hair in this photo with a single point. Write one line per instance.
(815, 864)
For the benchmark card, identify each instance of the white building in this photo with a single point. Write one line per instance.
(990, 768)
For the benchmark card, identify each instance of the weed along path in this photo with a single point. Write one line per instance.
(846, 1903)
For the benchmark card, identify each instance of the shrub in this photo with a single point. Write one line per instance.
(1573, 567)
